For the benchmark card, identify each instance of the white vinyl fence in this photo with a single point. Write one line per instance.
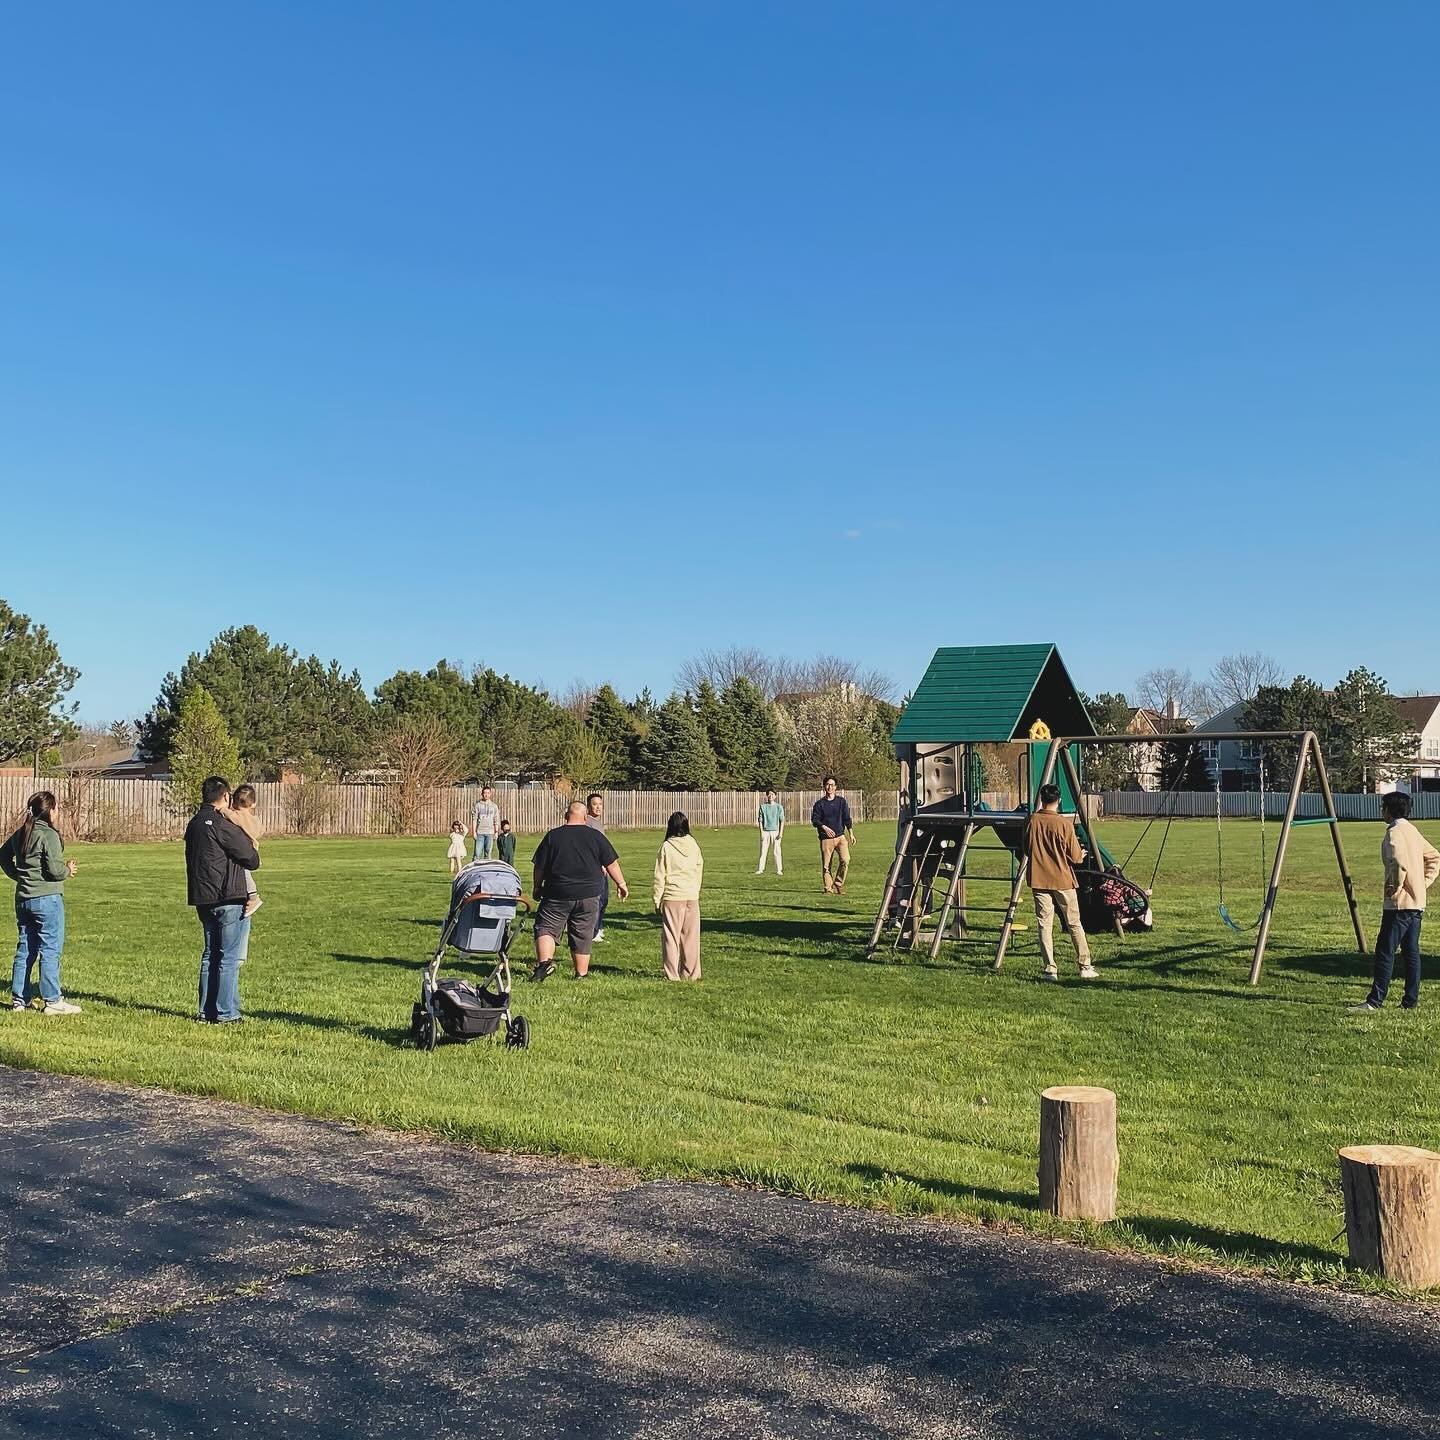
(141, 810)
(1242, 804)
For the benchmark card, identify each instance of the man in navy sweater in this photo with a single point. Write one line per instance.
(831, 818)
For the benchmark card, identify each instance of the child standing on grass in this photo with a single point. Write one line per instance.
(505, 843)
(244, 814)
(456, 853)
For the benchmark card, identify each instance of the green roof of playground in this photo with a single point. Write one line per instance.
(991, 694)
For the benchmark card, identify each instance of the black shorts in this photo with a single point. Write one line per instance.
(578, 919)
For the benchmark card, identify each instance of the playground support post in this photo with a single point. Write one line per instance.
(1340, 860)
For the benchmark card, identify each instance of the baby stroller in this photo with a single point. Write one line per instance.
(487, 911)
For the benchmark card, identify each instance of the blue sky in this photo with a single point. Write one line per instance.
(574, 338)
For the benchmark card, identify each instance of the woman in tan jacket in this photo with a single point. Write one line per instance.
(679, 870)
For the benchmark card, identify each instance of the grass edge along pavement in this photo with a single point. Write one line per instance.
(797, 1065)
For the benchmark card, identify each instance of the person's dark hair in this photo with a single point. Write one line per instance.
(214, 790)
(40, 806)
(503, 822)
(1396, 805)
(679, 825)
(828, 780)
(593, 795)
(1049, 794)
(244, 796)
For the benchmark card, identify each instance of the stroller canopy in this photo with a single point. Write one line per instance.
(482, 925)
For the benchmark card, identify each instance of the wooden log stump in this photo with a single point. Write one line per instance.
(1392, 1211)
(1078, 1156)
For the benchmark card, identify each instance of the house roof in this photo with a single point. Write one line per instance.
(1144, 720)
(992, 693)
(1417, 711)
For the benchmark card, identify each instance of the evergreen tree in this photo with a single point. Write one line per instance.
(675, 753)
(608, 723)
(201, 745)
(1371, 739)
(762, 757)
(1183, 767)
(734, 758)
(1300, 705)
(1108, 767)
(33, 684)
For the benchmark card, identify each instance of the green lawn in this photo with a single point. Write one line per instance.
(798, 1064)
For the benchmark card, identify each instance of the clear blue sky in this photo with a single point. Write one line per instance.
(575, 337)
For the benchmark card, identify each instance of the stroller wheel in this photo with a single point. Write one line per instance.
(517, 1034)
(424, 1028)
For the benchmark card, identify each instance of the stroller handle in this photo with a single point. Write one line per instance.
(479, 896)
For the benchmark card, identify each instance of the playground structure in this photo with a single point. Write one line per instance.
(1016, 707)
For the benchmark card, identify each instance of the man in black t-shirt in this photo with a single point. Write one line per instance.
(571, 864)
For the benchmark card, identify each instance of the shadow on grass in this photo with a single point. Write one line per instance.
(1159, 1232)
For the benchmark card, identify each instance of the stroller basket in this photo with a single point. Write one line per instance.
(467, 1013)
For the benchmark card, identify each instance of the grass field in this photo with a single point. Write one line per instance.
(797, 1064)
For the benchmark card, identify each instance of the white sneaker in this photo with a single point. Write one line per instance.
(61, 1007)
(599, 935)
(1089, 972)
(19, 1007)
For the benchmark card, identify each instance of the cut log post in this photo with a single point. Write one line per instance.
(1392, 1211)
(1078, 1156)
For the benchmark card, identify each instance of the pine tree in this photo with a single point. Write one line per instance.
(610, 727)
(201, 745)
(761, 759)
(1372, 741)
(733, 758)
(1182, 766)
(675, 753)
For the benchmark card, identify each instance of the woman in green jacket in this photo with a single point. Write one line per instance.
(34, 858)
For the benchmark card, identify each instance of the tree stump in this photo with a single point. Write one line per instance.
(1078, 1156)
(1392, 1211)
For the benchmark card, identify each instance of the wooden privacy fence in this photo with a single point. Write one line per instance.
(1243, 804)
(98, 809)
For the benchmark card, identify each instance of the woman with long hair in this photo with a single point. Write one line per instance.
(679, 871)
(34, 858)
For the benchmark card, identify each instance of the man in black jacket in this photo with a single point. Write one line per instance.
(217, 855)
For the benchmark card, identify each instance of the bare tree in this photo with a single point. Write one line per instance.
(421, 753)
(1237, 679)
(780, 675)
(576, 698)
(1175, 694)
(721, 667)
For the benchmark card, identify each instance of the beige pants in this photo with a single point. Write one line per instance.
(829, 849)
(1047, 902)
(680, 939)
(767, 839)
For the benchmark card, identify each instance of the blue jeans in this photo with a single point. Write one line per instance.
(1399, 930)
(226, 932)
(41, 922)
(483, 845)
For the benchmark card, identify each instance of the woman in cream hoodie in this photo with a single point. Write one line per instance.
(679, 868)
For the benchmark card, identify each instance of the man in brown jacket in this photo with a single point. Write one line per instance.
(1411, 866)
(1052, 852)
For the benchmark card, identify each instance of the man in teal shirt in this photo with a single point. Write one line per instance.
(772, 827)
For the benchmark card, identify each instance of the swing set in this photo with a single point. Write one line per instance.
(1060, 760)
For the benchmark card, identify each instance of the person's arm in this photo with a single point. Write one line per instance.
(1432, 863)
(7, 860)
(662, 869)
(539, 860)
(52, 858)
(781, 830)
(617, 875)
(849, 823)
(1076, 853)
(1394, 867)
(236, 844)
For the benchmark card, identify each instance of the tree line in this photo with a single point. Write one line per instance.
(249, 706)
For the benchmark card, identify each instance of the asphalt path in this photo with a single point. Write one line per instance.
(176, 1267)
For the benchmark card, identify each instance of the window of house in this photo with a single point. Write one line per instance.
(1432, 748)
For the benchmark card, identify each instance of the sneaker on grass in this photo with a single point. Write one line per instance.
(1364, 1008)
(599, 935)
(543, 970)
(61, 1007)
(19, 1006)
(1089, 972)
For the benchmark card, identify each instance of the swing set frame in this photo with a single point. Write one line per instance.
(1308, 750)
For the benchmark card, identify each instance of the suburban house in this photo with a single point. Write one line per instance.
(1422, 715)
(1235, 762)
(1145, 759)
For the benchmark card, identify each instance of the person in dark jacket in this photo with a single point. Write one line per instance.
(217, 855)
(830, 816)
(34, 858)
